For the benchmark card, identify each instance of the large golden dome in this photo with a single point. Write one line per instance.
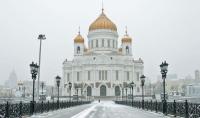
(79, 39)
(103, 22)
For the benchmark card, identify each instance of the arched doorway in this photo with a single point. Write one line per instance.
(78, 50)
(127, 50)
(103, 90)
(117, 91)
(89, 91)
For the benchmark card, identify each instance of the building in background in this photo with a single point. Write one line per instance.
(193, 90)
(6, 92)
(177, 86)
(12, 80)
(102, 68)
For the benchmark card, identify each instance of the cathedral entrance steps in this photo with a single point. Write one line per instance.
(106, 98)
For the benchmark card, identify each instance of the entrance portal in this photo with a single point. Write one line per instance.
(89, 91)
(103, 90)
(117, 91)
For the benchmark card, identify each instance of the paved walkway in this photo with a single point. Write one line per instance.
(105, 109)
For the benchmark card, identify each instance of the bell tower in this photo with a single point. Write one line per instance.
(126, 44)
(78, 44)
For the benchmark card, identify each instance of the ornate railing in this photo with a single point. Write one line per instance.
(182, 109)
(17, 110)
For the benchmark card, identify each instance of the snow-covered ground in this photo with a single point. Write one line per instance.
(105, 109)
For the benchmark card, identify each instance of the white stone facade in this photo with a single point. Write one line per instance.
(103, 68)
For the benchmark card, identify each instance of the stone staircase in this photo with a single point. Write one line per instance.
(106, 98)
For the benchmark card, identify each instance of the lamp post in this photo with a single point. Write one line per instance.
(58, 78)
(122, 93)
(164, 69)
(126, 94)
(42, 96)
(34, 71)
(130, 90)
(132, 85)
(40, 37)
(81, 88)
(81, 93)
(70, 88)
(77, 93)
(142, 78)
(65, 87)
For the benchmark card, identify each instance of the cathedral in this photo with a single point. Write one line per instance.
(102, 68)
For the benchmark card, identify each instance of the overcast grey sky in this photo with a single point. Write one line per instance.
(161, 30)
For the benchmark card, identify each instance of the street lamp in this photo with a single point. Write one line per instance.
(164, 69)
(132, 85)
(142, 78)
(77, 93)
(81, 88)
(42, 96)
(34, 71)
(122, 93)
(70, 88)
(126, 94)
(40, 37)
(58, 78)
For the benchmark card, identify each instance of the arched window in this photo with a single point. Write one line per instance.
(91, 43)
(117, 74)
(88, 75)
(102, 75)
(78, 75)
(127, 50)
(113, 44)
(68, 77)
(102, 42)
(108, 43)
(103, 90)
(127, 76)
(106, 74)
(78, 50)
(97, 45)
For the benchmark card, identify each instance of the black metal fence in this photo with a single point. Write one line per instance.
(182, 109)
(10, 110)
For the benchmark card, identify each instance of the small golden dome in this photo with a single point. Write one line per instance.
(126, 38)
(79, 39)
(103, 22)
(20, 82)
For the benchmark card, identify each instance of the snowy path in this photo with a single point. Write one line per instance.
(105, 109)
